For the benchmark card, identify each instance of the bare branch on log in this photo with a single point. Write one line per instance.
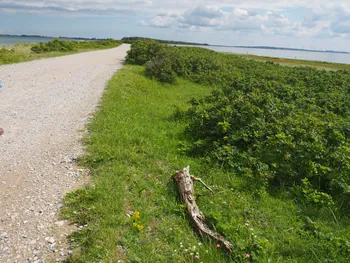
(184, 183)
(200, 180)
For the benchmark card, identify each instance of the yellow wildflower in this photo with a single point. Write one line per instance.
(139, 227)
(135, 215)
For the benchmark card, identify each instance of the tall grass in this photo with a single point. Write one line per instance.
(10, 55)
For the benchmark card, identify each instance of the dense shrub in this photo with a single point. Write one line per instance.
(143, 51)
(97, 44)
(273, 124)
(69, 46)
(160, 69)
(54, 45)
(272, 141)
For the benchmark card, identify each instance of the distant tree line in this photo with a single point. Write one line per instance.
(130, 40)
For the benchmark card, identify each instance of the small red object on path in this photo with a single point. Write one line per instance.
(1, 131)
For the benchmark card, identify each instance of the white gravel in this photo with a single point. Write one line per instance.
(44, 106)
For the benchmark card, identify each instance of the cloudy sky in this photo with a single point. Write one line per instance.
(315, 24)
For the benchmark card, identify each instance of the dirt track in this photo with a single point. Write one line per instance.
(44, 106)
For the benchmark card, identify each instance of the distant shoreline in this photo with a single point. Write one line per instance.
(183, 43)
(284, 48)
(51, 37)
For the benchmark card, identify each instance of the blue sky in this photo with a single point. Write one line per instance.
(315, 24)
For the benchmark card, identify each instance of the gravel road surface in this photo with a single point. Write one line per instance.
(44, 106)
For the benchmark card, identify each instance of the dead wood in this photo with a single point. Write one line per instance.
(185, 186)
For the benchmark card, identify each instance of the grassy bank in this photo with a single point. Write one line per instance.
(299, 63)
(27, 52)
(131, 211)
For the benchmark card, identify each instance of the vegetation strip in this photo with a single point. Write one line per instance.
(54, 48)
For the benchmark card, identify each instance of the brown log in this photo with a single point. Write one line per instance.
(184, 183)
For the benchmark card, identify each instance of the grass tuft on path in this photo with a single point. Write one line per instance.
(131, 211)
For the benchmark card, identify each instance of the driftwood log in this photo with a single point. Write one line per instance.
(184, 183)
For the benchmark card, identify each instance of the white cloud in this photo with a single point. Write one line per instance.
(202, 16)
(207, 11)
(327, 20)
(159, 21)
(239, 20)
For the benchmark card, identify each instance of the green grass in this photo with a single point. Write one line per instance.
(135, 144)
(22, 53)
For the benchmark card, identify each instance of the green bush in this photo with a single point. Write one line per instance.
(97, 44)
(273, 139)
(143, 51)
(58, 45)
(160, 69)
(54, 45)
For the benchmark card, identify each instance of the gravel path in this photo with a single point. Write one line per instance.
(44, 106)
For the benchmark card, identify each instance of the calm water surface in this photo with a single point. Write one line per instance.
(280, 53)
(11, 40)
